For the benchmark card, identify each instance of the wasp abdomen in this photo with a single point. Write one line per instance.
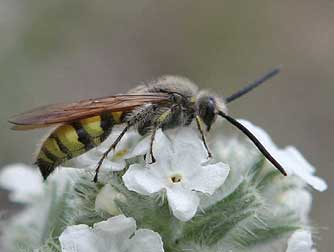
(73, 139)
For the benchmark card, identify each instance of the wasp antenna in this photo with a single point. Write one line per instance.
(257, 143)
(253, 85)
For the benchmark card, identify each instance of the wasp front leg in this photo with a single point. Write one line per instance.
(200, 128)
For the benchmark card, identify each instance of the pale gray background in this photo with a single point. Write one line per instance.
(55, 51)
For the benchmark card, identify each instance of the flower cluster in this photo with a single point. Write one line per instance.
(115, 234)
(182, 202)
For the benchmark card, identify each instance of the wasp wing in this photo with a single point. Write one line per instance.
(61, 113)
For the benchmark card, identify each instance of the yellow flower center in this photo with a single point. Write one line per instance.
(121, 153)
(176, 178)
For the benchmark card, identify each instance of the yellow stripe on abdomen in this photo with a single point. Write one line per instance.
(117, 117)
(71, 140)
(51, 145)
(92, 126)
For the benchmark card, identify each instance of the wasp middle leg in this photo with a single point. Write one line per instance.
(200, 128)
(154, 131)
(164, 119)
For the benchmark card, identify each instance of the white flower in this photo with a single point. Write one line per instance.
(179, 170)
(290, 158)
(116, 159)
(300, 241)
(299, 200)
(23, 182)
(105, 200)
(117, 234)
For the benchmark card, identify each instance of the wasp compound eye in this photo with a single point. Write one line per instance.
(206, 110)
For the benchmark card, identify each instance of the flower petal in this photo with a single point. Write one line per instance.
(23, 181)
(300, 241)
(118, 165)
(162, 146)
(142, 147)
(290, 158)
(263, 136)
(209, 178)
(109, 235)
(89, 161)
(185, 139)
(140, 179)
(187, 162)
(145, 240)
(120, 226)
(183, 202)
(80, 238)
(115, 160)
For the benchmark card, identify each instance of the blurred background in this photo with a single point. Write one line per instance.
(60, 51)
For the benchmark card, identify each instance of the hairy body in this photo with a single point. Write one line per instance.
(179, 111)
(165, 103)
(75, 138)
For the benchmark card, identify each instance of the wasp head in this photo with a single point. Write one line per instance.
(207, 108)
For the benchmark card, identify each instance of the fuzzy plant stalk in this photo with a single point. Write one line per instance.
(235, 201)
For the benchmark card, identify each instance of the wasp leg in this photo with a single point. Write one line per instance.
(112, 147)
(200, 128)
(154, 131)
(163, 118)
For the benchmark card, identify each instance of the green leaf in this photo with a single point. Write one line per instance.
(219, 219)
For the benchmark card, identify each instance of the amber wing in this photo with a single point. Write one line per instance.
(61, 113)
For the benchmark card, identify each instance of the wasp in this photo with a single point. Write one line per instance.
(165, 103)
